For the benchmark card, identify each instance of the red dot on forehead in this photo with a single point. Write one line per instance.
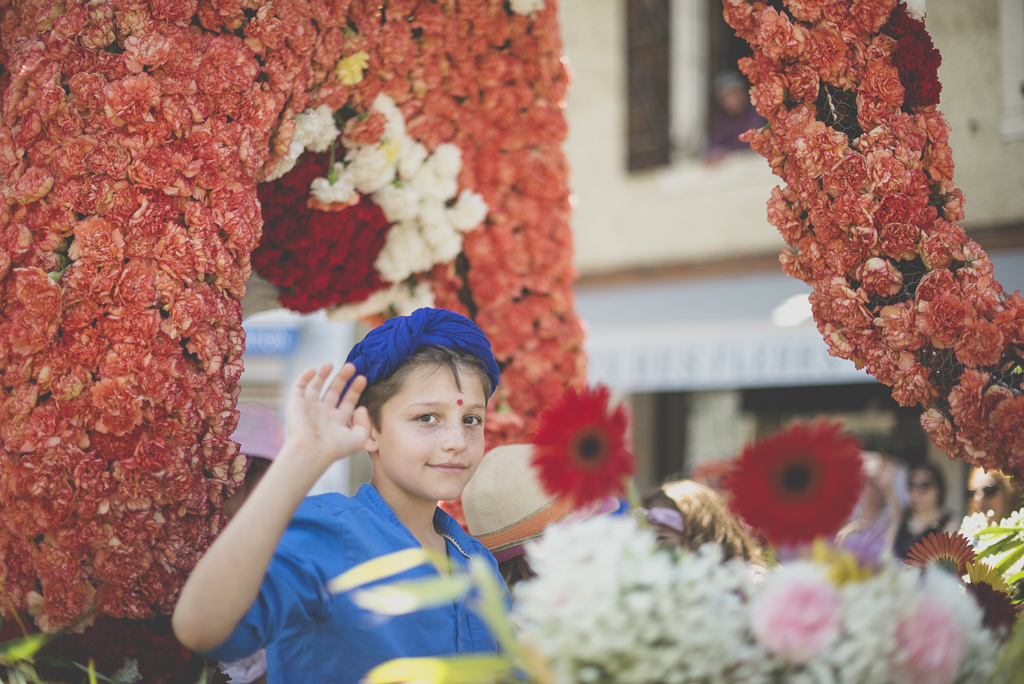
(460, 402)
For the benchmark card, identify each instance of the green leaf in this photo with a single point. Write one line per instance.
(477, 669)
(93, 674)
(24, 648)
(401, 598)
(378, 568)
(1008, 562)
(1010, 666)
(1013, 579)
(60, 661)
(998, 531)
(999, 547)
(491, 608)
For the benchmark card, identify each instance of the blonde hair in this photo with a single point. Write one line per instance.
(709, 520)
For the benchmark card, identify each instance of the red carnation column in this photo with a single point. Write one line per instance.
(869, 211)
(131, 141)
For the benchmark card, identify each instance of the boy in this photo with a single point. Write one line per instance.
(421, 398)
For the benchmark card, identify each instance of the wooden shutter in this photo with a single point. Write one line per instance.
(649, 54)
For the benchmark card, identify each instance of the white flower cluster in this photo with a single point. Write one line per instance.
(128, 673)
(414, 189)
(526, 6)
(403, 298)
(314, 131)
(973, 525)
(915, 9)
(608, 607)
(417, 191)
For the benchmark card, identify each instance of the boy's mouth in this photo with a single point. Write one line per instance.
(448, 468)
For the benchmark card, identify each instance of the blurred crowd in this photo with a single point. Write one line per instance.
(899, 505)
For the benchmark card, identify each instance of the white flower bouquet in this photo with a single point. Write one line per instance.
(609, 607)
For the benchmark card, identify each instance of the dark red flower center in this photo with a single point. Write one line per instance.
(589, 448)
(797, 480)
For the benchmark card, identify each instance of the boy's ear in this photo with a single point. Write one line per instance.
(370, 446)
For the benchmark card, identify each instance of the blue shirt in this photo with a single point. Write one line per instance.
(312, 635)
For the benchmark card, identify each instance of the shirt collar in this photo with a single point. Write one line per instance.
(443, 523)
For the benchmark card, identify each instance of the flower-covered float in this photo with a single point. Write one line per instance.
(390, 153)
(869, 213)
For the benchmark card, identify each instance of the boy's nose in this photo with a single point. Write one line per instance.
(453, 438)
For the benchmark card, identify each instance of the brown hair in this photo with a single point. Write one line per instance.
(378, 393)
(709, 520)
(515, 570)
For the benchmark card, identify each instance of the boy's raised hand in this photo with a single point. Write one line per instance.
(226, 581)
(331, 427)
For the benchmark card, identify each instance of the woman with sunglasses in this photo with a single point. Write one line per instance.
(992, 494)
(927, 512)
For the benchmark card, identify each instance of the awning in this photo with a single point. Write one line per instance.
(727, 332)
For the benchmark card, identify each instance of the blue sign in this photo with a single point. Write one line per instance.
(270, 341)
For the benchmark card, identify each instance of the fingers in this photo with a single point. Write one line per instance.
(332, 396)
(351, 399)
(316, 385)
(299, 388)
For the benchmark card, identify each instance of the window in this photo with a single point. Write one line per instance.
(649, 55)
(676, 48)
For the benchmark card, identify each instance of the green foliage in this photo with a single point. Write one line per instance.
(1002, 547)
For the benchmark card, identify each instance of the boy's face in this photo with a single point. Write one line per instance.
(431, 436)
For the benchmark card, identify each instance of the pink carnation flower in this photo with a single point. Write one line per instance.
(929, 646)
(796, 614)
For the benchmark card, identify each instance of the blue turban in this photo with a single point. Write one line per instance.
(389, 345)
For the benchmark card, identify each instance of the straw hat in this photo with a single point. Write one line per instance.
(506, 507)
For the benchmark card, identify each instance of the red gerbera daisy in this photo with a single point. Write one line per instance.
(580, 446)
(1000, 611)
(951, 552)
(799, 483)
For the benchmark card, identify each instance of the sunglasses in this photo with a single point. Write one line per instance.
(986, 492)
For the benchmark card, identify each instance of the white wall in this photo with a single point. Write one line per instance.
(682, 213)
(989, 165)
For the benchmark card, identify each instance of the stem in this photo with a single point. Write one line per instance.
(332, 173)
(632, 496)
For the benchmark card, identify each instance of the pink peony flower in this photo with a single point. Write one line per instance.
(929, 645)
(795, 613)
